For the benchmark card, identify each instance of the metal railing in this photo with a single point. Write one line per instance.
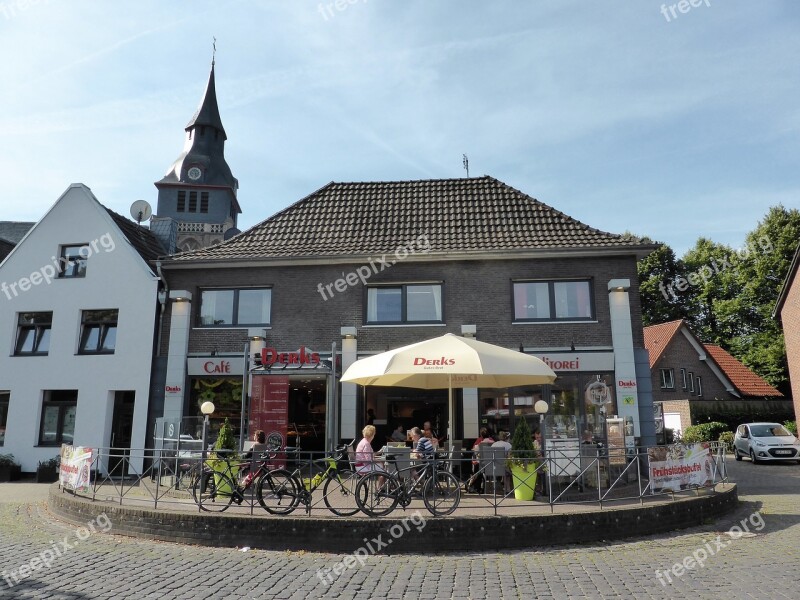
(590, 476)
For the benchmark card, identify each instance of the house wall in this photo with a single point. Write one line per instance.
(790, 317)
(116, 277)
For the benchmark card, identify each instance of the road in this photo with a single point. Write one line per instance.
(45, 558)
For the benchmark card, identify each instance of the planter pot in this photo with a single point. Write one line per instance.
(10, 473)
(46, 475)
(219, 467)
(524, 482)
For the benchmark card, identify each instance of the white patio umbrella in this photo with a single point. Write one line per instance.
(449, 361)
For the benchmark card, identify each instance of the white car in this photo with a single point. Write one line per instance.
(765, 441)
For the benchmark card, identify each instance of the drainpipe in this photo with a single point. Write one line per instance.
(162, 299)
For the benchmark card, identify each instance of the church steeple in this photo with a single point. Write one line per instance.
(199, 191)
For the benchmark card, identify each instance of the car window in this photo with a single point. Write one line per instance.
(769, 430)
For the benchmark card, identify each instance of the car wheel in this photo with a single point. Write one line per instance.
(753, 457)
(736, 454)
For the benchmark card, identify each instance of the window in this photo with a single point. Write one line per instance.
(235, 307)
(699, 387)
(33, 333)
(411, 303)
(553, 301)
(691, 381)
(683, 378)
(58, 417)
(99, 331)
(203, 202)
(4, 396)
(667, 379)
(72, 260)
(182, 201)
(192, 202)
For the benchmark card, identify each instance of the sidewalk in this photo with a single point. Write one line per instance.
(23, 492)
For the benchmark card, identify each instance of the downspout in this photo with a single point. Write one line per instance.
(162, 299)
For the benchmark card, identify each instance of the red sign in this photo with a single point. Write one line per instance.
(626, 383)
(217, 367)
(172, 389)
(269, 409)
(434, 361)
(270, 356)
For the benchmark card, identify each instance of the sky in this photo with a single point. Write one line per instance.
(627, 116)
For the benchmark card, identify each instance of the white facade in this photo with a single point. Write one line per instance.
(116, 277)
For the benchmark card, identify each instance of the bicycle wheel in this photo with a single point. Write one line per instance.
(212, 491)
(377, 494)
(340, 493)
(441, 493)
(277, 492)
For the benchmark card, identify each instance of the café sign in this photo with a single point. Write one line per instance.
(302, 357)
(215, 366)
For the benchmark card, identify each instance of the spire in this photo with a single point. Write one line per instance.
(208, 112)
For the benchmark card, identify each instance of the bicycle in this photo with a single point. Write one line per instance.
(280, 491)
(378, 493)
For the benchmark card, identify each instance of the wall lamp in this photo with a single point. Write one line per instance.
(619, 285)
(469, 331)
(180, 295)
(349, 333)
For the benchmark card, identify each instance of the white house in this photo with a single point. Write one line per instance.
(78, 305)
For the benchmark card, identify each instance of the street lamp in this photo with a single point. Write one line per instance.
(206, 408)
(541, 407)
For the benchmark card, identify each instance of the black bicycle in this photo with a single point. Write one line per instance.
(280, 491)
(378, 493)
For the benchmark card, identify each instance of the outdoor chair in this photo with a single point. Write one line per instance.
(498, 470)
(485, 464)
(398, 459)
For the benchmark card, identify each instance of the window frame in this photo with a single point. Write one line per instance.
(180, 205)
(699, 387)
(691, 382)
(551, 294)
(667, 385)
(683, 378)
(38, 329)
(64, 260)
(103, 329)
(5, 401)
(235, 316)
(63, 406)
(403, 287)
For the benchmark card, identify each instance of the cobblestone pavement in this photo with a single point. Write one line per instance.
(760, 564)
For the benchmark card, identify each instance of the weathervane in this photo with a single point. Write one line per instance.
(465, 162)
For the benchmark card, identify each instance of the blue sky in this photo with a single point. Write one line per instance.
(668, 126)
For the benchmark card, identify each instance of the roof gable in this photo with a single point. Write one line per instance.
(468, 215)
(658, 337)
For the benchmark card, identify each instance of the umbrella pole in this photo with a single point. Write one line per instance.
(450, 411)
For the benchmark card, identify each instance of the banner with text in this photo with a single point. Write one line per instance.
(76, 464)
(681, 466)
(269, 410)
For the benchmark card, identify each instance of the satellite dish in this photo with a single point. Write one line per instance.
(141, 211)
(229, 233)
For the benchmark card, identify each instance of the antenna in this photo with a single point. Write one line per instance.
(141, 211)
(465, 162)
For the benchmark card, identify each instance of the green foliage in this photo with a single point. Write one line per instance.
(657, 272)
(51, 463)
(225, 439)
(791, 426)
(522, 448)
(8, 460)
(726, 437)
(705, 432)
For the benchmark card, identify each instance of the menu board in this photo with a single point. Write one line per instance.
(269, 410)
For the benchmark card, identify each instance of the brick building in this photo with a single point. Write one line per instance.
(357, 268)
(787, 310)
(692, 379)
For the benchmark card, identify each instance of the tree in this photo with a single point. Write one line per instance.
(658, 274)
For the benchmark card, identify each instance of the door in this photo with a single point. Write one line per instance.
(673, 421)
(121, 431)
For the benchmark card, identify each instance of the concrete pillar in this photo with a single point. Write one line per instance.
(180, 325)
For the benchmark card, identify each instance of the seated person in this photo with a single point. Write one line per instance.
(428, 433)
(423, 448)
(260, 445)
(503, 444)
(398, 435)
(365, 456)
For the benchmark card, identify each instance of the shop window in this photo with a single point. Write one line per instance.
(72, 261)
(553, 301)
(235, 307)
(667, 379)
(58, 417)
(410, 303)
(683, 378)
(4, 396)
(99, 331)
(33, 333)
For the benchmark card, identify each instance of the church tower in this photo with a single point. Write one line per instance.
(198, 192)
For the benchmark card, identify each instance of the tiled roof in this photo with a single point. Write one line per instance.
(14, 231)
(144, 241)
(478, 214)
(658, 337)
(5, 248)
(747, 382)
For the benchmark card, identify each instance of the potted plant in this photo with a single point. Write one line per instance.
(10, 469)
(225, 446)
(47, 471)
(521, 461)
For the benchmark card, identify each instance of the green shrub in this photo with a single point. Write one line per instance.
(726, 437)
(791, 426)
(522, 448)
(225, 439)
(704, 432)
